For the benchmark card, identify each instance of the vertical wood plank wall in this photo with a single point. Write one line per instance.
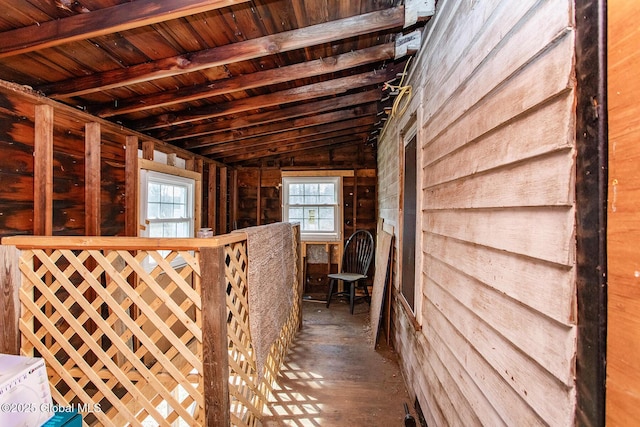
(623, 234)
(65, 172)
(494, 92)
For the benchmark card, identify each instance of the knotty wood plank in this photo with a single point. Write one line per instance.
(43, 171)
(249, 81)
(92, 179)
(10, 282)
(214, 337)
(99, 22)
(231, 53)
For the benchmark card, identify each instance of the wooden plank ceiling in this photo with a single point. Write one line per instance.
(235, 80)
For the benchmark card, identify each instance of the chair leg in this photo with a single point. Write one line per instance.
(332, 283)
(352, 295)
(366, 293)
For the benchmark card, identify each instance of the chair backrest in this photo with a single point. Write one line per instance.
(358, 253)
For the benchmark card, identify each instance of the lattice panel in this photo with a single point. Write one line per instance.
(116, 334)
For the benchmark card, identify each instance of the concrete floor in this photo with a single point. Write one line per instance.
(332, 376)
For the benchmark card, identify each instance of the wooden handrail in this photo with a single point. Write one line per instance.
(121, 243)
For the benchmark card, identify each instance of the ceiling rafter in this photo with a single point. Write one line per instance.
(239, 136)
(100, 22)
(315, 90)
(248, 81)
(227, 54)
(305, 146)
(288, 113)
(285, 139)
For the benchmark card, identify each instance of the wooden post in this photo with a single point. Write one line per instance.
(131, 186)
(233, 200)
(259, 199)
(214, 337)
(147, 149)
(10, 281)
(212, 210)
(43, 171)
(92, 178)
(222, 217)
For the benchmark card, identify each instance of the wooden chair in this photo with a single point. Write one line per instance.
(356, 259)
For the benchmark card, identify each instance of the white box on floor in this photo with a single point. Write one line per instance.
(25, 397)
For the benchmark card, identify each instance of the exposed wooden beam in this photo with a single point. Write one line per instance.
(302, 93)
(292, 144)
(283, 138)
(302, 146)
(92, 188)
(231, 53)
(131, 186)
(249, 81)
(308, 109)
(43, 171)
(96, 23)
(274, 128)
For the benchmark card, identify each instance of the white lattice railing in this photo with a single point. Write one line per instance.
(120, 327)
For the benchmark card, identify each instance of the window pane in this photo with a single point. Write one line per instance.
(183, 229)
(327, 193)
(153, 210)
(155, 229)
(154, 192)
(296, 200)
(311, 215)
(326, 225)
(179, 211)
(166, 211)
(170, 229)
(296, 214)
(180, 195)
(167, 193)
(326, 213)
(295, 190)
(309, 225)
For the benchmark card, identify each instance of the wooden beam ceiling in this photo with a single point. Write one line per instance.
(231, 53)
(236, 80)
(96, 23)
(263, 118)
(316, 90)
(249, 81)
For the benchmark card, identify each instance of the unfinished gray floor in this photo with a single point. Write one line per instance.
(332, 376)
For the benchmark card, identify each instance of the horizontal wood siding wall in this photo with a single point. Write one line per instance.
(494, 96)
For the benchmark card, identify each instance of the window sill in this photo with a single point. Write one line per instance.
(408, 311)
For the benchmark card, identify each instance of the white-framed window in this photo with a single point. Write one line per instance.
(315, 202)
(166, 208)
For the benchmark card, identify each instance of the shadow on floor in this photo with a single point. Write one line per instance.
(333, 377)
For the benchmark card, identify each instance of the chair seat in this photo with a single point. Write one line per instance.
(347, 277)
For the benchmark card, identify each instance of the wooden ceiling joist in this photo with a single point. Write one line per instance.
(311, 108)
(249, 81)
(96, 23)
(283, 138)
(276, 128)
(306, 147)
(227, 54)
(316, 90)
